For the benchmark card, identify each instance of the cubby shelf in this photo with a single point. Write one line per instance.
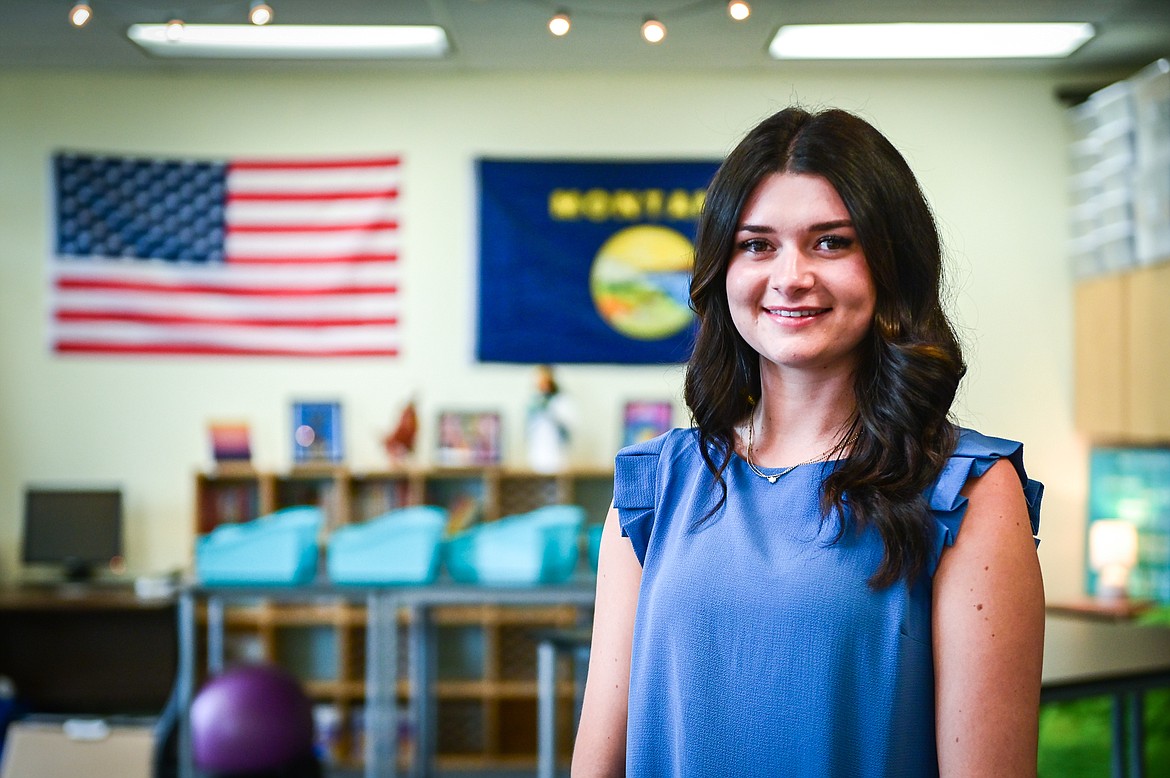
(485, 687)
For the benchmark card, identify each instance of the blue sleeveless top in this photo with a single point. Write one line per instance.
(759, 648)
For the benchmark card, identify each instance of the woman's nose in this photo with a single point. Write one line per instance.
(791, 270)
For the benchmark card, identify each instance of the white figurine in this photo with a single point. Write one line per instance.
(549, 425)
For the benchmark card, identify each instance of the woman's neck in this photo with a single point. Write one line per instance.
(799, 416)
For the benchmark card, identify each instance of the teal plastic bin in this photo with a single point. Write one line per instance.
(399, 547)
(541, 546)
(593, 539)
(280, 548)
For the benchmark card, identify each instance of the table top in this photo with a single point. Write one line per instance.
(578, 590)
(1079, 650)
(77, 597)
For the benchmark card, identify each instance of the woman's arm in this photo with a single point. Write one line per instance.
(600, 749)
(988, 616)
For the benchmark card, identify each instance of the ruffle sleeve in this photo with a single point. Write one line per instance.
(634, 490)
(974, 455)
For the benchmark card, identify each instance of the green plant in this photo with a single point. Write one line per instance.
(1076, 736)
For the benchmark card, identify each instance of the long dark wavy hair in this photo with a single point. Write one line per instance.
(909, 364)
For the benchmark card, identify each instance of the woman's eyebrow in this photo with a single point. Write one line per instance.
(757, 228)
(819, 227)
(833, 225)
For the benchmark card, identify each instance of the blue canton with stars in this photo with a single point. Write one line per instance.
(140, 208)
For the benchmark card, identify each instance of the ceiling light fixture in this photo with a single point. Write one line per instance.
(929, 41)
(653, 31)
(80, 14)
(173, 30)
(260, 13)
(560, 24)
(739, 10)
(293, 41)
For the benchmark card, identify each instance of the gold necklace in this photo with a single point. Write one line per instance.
(776, 476)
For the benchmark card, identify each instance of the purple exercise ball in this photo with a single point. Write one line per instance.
(251, 718)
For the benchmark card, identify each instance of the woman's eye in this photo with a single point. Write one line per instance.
(834, 242)
(754, 245)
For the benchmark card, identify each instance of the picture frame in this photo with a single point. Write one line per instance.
(231, 444)
(469, 438)
(316, 433)
(644, 420)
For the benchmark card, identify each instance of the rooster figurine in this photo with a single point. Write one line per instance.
(400, 443)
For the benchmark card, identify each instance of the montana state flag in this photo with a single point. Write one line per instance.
(587, 261)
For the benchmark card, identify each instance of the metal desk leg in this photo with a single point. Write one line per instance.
(215, 652)
(186, 682)
(1137, 735)
(381, 746)
(1117, 749)
(546, 709)
(423, 650)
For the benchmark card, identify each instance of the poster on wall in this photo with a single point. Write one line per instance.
(225, 258)
(316, 432)
(587, 261)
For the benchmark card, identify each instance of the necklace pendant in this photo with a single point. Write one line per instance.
(773, 478)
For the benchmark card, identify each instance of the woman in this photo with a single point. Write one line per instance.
(784, 588)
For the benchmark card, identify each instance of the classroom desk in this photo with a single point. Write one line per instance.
(1086, 657)
(383, 605)
(88, 649)
(1082, 658)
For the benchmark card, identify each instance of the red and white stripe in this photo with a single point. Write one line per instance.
(311, 270)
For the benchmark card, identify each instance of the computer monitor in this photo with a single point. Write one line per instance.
(76, 529)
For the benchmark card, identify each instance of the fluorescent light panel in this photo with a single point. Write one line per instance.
(292, 41)
(928, 41)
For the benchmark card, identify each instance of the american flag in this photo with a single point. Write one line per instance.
(249, 257)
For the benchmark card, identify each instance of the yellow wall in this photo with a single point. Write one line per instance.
(989, 148)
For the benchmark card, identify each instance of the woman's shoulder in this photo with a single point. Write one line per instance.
(976, 445)
(637, 467)
(974, 455)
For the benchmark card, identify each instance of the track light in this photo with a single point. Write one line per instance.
(653, 31)
(260, 12)
(560, 23)
(739, 10)
(174, 29)
(80, 14)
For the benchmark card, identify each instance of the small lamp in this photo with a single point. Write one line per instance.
(1113, 552)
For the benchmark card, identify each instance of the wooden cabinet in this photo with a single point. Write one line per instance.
(1122, 344)
(484, 688)
(1148, 353)
(235, 495)
(1099, 326)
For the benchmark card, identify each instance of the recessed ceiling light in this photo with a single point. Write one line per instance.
(560, 24)
(80, 14)
(260, 13)
(291, 41)
(653, 31)
(928, 41)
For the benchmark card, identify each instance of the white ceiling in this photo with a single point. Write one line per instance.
(511, 34)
